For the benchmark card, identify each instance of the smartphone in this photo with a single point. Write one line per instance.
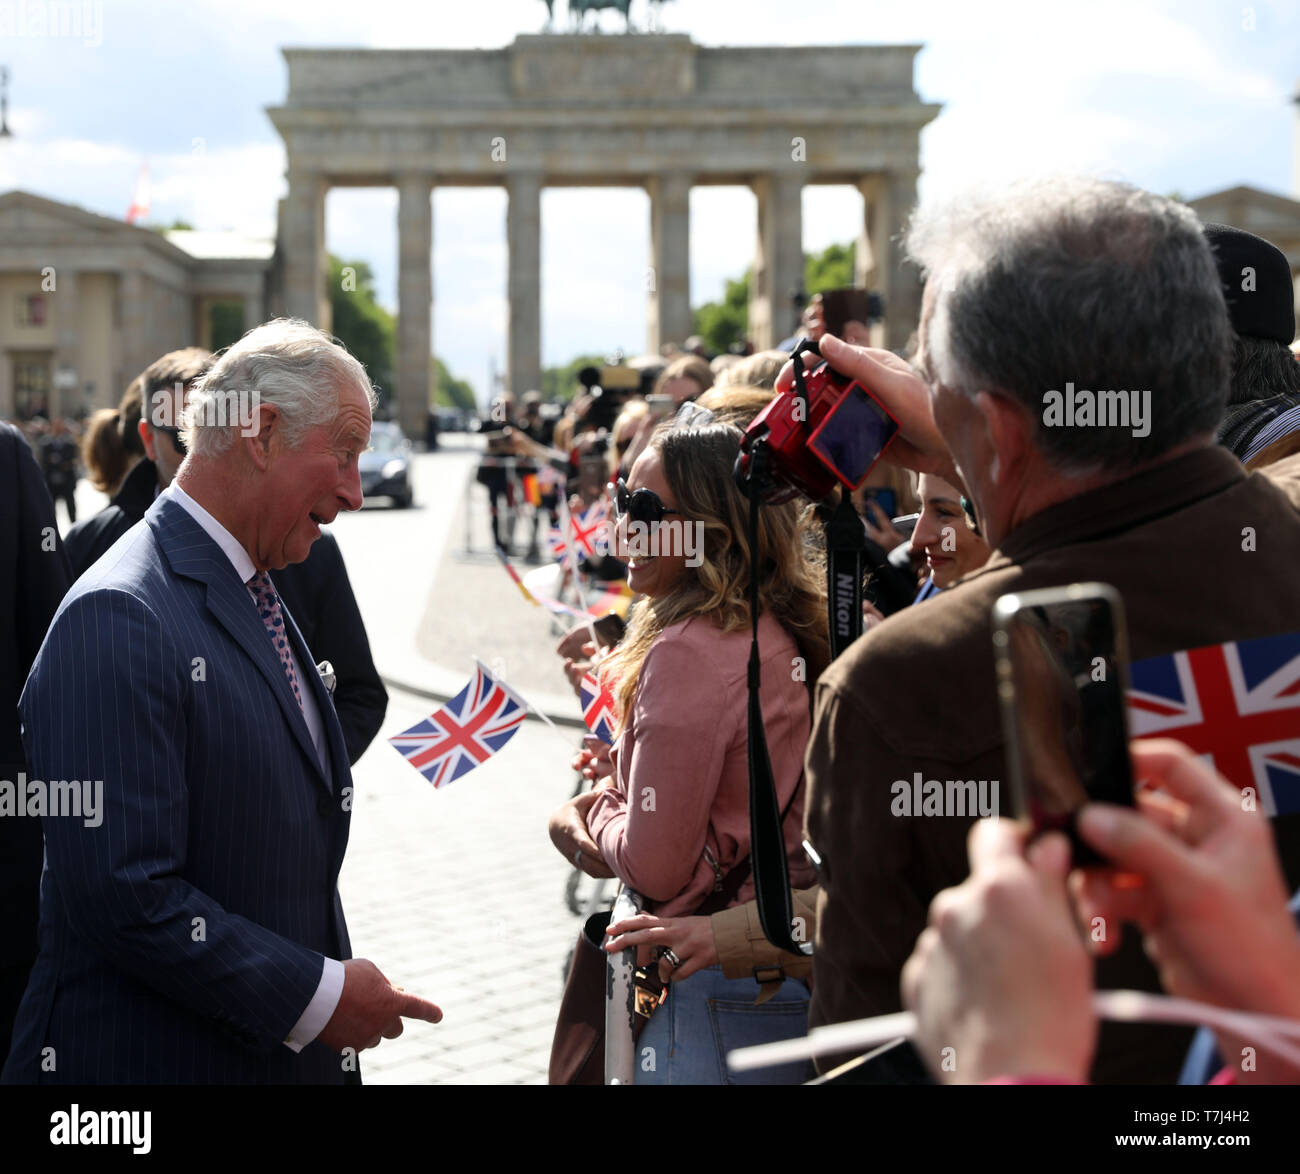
(661, 406)
(1062, 676)
(886, 499)
(609, 629)
(844, 305)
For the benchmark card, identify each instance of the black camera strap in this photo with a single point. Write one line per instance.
(766, 836)
(846, 548)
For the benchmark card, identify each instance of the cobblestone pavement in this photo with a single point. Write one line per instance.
(457, 894)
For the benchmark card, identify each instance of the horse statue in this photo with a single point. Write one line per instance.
(578, 10)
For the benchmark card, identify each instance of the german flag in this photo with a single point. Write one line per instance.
(532, 489)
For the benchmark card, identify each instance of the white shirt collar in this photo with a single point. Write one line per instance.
(237, 555)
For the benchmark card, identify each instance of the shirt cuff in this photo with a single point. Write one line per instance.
(313, 1020)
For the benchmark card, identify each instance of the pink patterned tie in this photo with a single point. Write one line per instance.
(268, 607)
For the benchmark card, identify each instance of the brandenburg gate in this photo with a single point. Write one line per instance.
(654, 111)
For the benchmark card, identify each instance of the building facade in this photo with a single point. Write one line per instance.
(87, 302)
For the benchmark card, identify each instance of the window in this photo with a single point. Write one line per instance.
(30, 310)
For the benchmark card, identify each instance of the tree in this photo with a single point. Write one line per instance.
(450, 392)
(832, 268)
(722, 323)
(361, 323)
(225, 323)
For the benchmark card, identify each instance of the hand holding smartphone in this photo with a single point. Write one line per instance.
(1062, 674)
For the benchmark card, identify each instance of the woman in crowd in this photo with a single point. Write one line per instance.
(732, 941)
(686, 377)
(947, 535)
(112, 445)
(673, 821)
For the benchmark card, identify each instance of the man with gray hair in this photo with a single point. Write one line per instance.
(1076, 349)
(194, 932)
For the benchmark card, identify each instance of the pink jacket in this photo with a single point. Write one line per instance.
(681, 783)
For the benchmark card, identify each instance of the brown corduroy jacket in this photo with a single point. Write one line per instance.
(1201, 553)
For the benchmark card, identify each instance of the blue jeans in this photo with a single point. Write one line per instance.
(707, 1016)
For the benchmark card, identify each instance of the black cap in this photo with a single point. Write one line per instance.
(1257, 283)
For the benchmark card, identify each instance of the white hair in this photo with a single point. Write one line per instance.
(286, 362)
(1083, 280)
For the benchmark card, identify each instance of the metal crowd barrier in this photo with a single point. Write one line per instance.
(620, 998)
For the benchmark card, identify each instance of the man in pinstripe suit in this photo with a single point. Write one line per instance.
(196, 933)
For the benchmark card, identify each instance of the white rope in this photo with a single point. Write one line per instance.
(1269, 1032)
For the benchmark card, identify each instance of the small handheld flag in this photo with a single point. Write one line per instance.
(588, 530)
(1237, 704)
(598, 709)
(464, 733)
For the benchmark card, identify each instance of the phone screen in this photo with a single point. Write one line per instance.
(853, 435)
(1062, 682)
(884, 498)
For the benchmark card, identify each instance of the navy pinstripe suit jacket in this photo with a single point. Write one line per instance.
(183, 937)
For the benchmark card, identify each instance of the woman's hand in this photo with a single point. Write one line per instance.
(569, 834)
(593, 760)
(871, 615)
(575, 670)
(880, 527)
(690, 938)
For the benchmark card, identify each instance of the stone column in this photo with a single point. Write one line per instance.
(871, 256)
(778, 260)
(302, 241)
(903, 290)
(524, 281)
(669, 279)
(254, 304)
(414, 300)
(64, 401)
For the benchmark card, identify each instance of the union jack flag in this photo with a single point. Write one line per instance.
(1237, 705)
(589, 529)
(557, 543)
(465, 732)
(598, 709)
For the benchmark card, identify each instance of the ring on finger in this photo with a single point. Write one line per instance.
(673, 960)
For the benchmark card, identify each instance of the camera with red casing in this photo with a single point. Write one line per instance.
(825, 430)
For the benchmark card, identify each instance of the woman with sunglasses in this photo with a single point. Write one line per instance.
(672, 821)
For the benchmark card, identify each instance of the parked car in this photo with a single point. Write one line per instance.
(385, 465)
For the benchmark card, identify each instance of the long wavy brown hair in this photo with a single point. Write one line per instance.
(697, 463)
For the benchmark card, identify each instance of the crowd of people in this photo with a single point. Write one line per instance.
(200, 937)
(1092, 280)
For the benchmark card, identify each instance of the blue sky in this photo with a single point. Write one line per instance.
(1189, 97)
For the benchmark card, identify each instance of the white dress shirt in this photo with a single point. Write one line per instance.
(313, 1020)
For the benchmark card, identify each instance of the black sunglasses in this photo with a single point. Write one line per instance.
(642, 505)
(175, 434)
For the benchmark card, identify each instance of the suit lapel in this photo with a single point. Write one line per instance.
(193, 554)
(338, 751)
